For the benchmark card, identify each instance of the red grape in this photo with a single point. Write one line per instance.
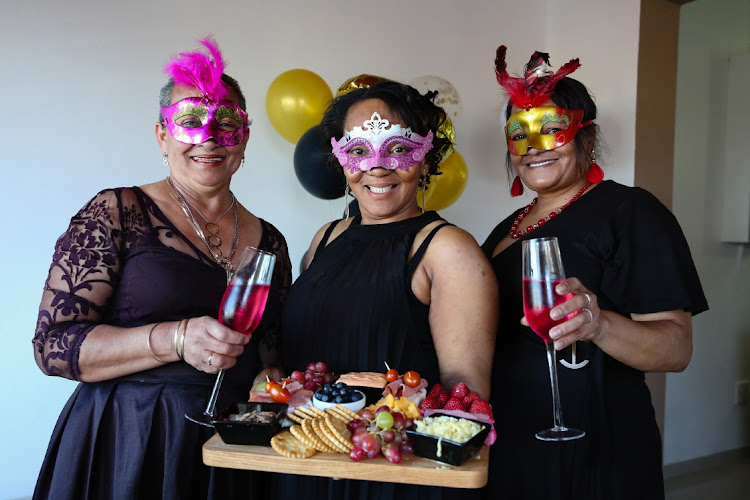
(367, 414)
(369, 442)
(358, 437)
(398, 420)
(329, 377)
(382, 408)
(357, 454)
(309, 375)
(388, 435)
(318, 379)
(321, 367)
(373, 453)
(398, 439)
(311, 367)
(406, 448)
(310, 385)
(392, 454)
(409, 423)
(297, 376)
(355, 424)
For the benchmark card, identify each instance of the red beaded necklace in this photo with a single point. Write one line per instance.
(515, 233)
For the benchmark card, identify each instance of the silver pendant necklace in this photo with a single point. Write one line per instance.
(214, 250)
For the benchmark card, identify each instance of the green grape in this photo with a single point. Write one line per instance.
(384, 419)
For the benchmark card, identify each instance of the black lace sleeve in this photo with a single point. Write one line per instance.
(82, 277)
(274, 241)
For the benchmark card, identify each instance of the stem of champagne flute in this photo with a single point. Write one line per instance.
(552, 362)
(211, 406)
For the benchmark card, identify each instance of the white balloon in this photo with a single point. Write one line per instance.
(447, 97)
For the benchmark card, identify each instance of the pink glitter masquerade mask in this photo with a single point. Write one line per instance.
(368, 147)
(194, 121)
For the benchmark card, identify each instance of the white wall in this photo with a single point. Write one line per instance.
(701, 418)
(79, 86)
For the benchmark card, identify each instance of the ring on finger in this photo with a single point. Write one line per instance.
(588, 298)
(210, 358)
(591, 315)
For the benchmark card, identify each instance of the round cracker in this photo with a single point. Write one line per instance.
(285, 444)
(325, 434)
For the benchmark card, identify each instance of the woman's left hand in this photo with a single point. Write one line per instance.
(584, 325)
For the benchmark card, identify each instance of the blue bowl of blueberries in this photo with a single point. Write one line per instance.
(339, 394)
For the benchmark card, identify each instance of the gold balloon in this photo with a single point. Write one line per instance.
(359, 82)
(446, 130)
(444, 189)
(296, 101)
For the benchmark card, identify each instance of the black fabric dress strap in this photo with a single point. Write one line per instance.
(414, 261)
(326, 235)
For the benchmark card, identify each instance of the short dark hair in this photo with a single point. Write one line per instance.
(418, 112)
(569, 93)
(165, 93)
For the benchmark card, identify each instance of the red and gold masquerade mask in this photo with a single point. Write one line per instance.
(537, 126)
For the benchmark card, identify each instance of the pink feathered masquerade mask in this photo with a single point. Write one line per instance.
(194, 120)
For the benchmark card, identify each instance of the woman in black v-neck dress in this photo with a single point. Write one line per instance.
(393, 284)
(635, 288)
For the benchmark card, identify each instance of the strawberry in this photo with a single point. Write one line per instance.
(473, 396)
(481, 406)
(454, 404)
(460, 391)
(438, 394)
(430, 404)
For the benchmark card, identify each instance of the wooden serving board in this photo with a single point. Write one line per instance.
(411, 470)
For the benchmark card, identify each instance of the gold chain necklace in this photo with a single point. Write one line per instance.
(215, 251)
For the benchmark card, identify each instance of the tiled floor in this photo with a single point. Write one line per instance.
(730, 481)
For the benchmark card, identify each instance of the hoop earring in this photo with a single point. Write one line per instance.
(165, 160)
(346, 202)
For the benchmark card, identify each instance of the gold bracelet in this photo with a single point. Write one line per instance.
(175, 338)
(148, 345)
(182, 339)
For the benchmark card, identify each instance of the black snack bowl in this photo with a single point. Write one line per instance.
(236, 432)
(452, 453)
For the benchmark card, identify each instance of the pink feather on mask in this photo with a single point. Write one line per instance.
(199, 70)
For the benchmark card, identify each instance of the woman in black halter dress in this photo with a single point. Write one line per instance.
(393, 284)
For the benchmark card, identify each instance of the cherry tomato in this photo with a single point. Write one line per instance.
(391, 375)
(270, 385)
(412, 378)
(280, 394)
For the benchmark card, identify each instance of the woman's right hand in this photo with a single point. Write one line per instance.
(211, 346)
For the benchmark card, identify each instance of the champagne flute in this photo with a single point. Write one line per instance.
(241, 309)
(542, 271)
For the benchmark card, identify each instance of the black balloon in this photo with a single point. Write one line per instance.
(311, 166)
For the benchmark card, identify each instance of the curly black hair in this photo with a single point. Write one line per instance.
(417, 111)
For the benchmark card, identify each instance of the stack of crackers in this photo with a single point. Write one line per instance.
(315, 430)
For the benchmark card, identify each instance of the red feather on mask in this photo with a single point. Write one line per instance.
(537, 83)
(200, 70)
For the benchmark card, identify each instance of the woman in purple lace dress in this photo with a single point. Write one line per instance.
(129, 309)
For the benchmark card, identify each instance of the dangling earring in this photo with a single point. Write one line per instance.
(242, 163)
(165, 160)
(423, 186)
(346, 202)
(516, 189)
(596, 174)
